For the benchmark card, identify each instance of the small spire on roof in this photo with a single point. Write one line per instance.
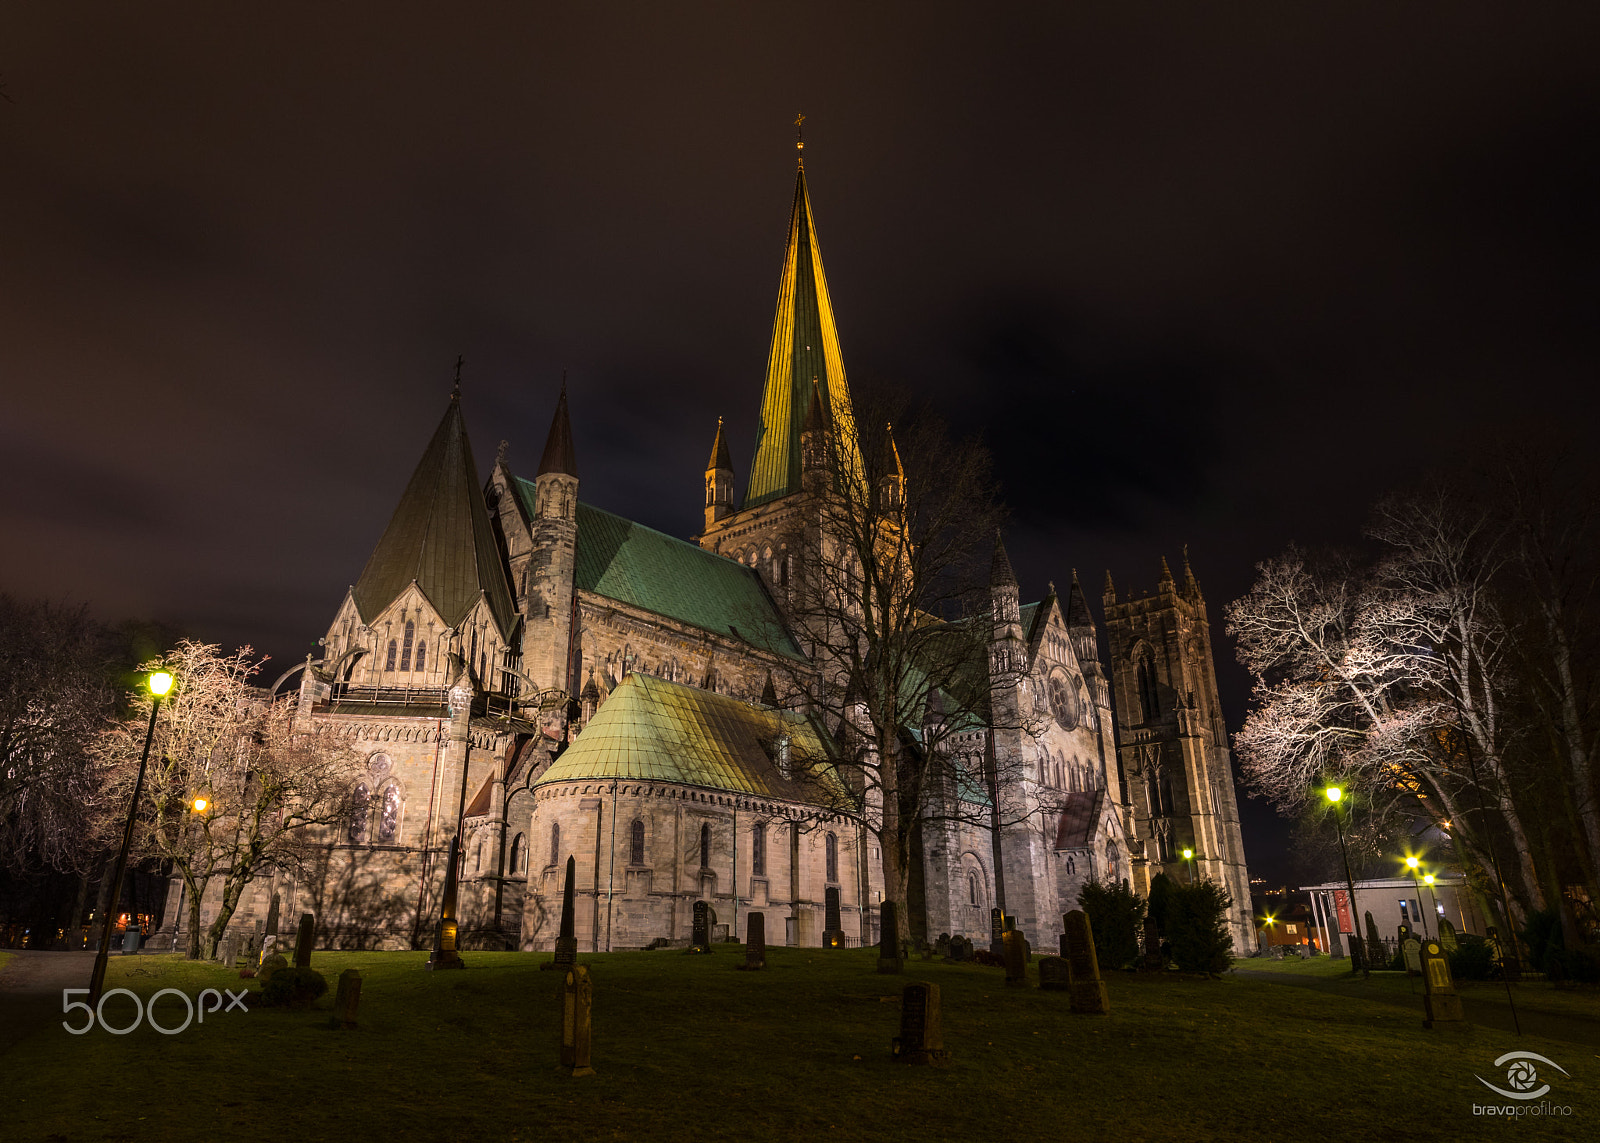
(1166, 574)
(818, 415)
(455, 393)
(800, 139)
(1000, 573)
(769, 693)
(559, 455)
(721, 459)
(1110, 592)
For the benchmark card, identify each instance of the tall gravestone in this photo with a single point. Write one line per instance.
(921, 1038)
(567, 935)
(1377, 955)
(832, 925)
(272, 919)
(303, 940)
(1053, 974)
(1447, 936)
(704, 918)
(1016, 955)
(577, 1002)
(1411, 948)
(997, 931)
(445, 934)
(889, 939)
(347, 999)
(1441, 1003)
(1083, 966)
(755, 943)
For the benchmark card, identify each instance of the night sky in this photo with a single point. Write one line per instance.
(1204, 276)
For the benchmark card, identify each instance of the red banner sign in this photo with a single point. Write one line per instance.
(1341, 902)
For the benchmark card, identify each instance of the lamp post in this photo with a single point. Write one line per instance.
(1335, 794)
(1188, 857)
(1427, 879)
(159, 682)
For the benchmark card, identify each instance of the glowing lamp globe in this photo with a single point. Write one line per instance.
(160, 682)
(1188, 854)
(200, 805)
(1427, 879)
(1412, 862)
(1334, 793)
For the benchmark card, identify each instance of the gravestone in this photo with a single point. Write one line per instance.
(832, 927)
(997, 931)
(1016, 959)
(567, 936)
(270, 965)
(130, 938)
(1447, 936)
(577, 999)
(921, 1038)
(1152, 947)
(271, 930)
(347, 999)
(1412, 948)
(1358, 958)
(303, 941)
(889, 958)
(941, 947)
(1440, 1001)
(1053, 974)
(704, 918)
(755, 944)
(1083, 965)
(960, 949)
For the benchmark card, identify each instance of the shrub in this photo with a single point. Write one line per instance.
(293, 988)
(1115, 913)
(1197, 926)
(1540, 935)
(1472, 960)
(1160, 891)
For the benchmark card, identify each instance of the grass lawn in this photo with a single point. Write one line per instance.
(1315, 966)
(5, 956)
(688, 1048)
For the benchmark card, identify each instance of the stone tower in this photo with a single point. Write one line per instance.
(548, 588)
(1172, 743)
(719, 480)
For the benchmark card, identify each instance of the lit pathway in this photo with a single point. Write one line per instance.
(30, 991)
(1479, 1008)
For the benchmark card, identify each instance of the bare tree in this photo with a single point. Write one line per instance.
(892, 604)
(234, 790)
(55, 700)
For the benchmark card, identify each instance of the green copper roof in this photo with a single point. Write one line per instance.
(655, 731)
(805, 346)
(644, 568)
(440, 537)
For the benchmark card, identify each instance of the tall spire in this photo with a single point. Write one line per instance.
(805, 345)
(1000, 573)
(720, 460)
(440, 537)
(558, 452)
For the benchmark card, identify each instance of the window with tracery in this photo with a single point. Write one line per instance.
(360, 806)
(830, 851)
(555, 843)
(758, 851)
(388, 662)
(422, 655)
(705, 846)
(405, 648)
(389, 815)
(636, 843)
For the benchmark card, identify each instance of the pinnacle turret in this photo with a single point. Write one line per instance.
(1000, 573)
(559, 455)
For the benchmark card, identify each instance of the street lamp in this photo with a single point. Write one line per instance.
(1188, 856)
(1335, 794)
(159, 682)
(1412, 864)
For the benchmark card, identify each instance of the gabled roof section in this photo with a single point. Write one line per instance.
(654, 731)
(805, 347)
(440, 537)
(1080, 815)
(655, 572)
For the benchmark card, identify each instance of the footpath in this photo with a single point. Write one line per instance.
(30, 991)
(1480, 1009)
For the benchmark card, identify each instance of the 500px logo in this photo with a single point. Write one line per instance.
(141, 1013)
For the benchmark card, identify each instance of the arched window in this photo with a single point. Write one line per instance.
(758, 851)
(405, 648)
(360, 806)
(1072, 864)
(636, 843)
(389, 816)
(388, 662)
(519, 855)
(555, 843)
(1166, 794)
(422, 655)
(1148, 698)
(831, 853)
(477, 859)
(705, 846)
(972, 888)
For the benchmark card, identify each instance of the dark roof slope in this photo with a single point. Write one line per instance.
(440, 537)
(559, 455)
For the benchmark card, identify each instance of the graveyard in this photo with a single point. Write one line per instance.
(691, 1047)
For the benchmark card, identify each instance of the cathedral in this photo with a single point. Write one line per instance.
(532, 678)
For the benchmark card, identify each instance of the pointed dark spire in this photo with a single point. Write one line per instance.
(559, 455)
(1191, 586)
(817, 416)
(440, 537)
(769, 693)
(720, 460)
(1000, 573)
(1166, 575)
(1109, 592)
(1078, 615)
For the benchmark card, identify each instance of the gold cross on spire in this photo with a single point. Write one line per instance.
(460, 361)
(800, 137)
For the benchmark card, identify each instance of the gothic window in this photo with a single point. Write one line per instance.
(972, 888)
(359, 807)
(405, 648)
(388, 662)
(473, 654)
(555, 843)
(1148, 698)
(705, 847)
(1166, 795)
(389, 815)
(758, 851)
(1111, 861)
(1072, 865)
(636, 842)
(477, 859)
(519, 854)
(422, 655)
(831, 853)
